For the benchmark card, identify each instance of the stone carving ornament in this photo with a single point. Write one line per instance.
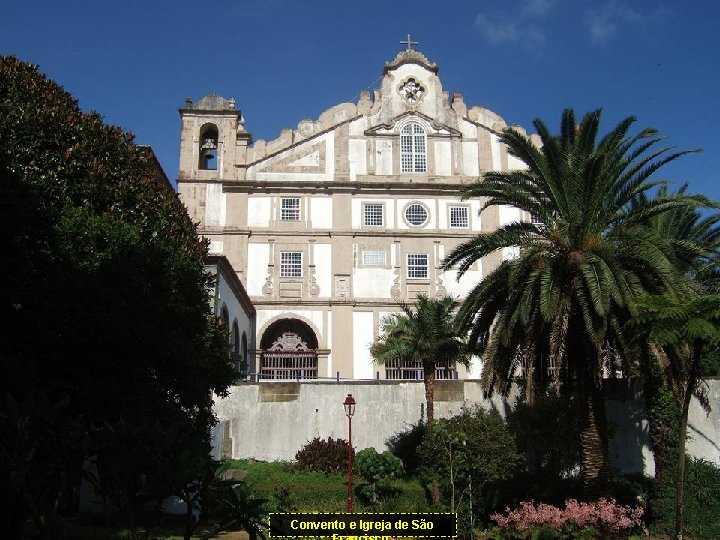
(412, 91)
(395, 291)
(268, 287)
(313, 287)
(289, 341)
(342, 287)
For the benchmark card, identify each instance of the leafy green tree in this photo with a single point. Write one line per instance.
(378, 470)
(103, 297)
(679, 332)
(425, 333)
(471, 452)
(560, 306)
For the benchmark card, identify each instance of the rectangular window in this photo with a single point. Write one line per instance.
(535, 219)
(417, 266)
(373, 215)
(459, 217)
(290, 209)
(291, 264)
(373, 258)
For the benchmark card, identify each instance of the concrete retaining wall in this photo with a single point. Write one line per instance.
(271, 421)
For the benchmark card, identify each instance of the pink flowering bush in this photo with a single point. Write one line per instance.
(603, 518)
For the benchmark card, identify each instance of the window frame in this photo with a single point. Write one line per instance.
(414, 266)
(413, 149)
(466, 210)
(290, 269)
(296, 210)
(373, 265)
(420, 205)
(365, 206)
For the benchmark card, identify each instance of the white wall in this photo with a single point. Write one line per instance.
(275, 430)
(258, 258)
(321, 212)
(363, 337)
(259, 211)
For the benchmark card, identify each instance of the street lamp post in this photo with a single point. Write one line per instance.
(349, 405)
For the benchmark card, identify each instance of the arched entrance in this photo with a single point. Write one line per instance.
(289, 351)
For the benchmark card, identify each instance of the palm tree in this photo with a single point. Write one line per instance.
(426, 334)
(563, 301)
(679, 333)
(693, 239)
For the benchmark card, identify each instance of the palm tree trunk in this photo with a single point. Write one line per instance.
(596, 472)
(594, 441)
(679, 495)
(429, 380)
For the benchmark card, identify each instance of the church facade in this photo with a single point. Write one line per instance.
(333, 223)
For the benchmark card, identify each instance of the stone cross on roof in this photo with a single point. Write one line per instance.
(409, 42)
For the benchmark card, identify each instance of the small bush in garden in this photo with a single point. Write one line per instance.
(324, 455)
(404, 444)
(702, 503)
(473, 455)
(604, 518)
(377, 470)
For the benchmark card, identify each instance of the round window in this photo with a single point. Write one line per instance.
(416, 214)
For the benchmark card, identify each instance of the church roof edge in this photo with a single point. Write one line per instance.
(211, 102)
(410, 56)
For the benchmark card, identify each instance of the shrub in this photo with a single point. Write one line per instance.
(702, 503)
(324, 455)
(377, 470)
(472, 455)
(603, 518)
(405, 444)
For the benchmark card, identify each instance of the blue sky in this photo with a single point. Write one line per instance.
(134, 61)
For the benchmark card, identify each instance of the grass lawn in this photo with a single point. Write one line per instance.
(307, 491)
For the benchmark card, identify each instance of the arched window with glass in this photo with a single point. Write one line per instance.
(413, 148)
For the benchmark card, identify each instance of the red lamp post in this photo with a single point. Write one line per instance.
(349, 405)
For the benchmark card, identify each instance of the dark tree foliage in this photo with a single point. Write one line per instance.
(405, 444)
(104, 302)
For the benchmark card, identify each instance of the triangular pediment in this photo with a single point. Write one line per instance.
(391, 127)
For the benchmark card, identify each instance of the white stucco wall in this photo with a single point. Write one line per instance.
(372, 282)
(383, 157)
(496, 150)
(443, 158)
(321, 212)
(258, 258)
(323, 269)
(358, 157)
(470, 164)
(214, 205)
(259, 211)
(275, 430)
(362, 339)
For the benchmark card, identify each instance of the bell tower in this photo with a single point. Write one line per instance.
(213, 150)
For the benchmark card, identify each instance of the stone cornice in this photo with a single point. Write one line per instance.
(410, 56)
(373, 131)
(418, 185)
(389, 304)
(353, 233)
